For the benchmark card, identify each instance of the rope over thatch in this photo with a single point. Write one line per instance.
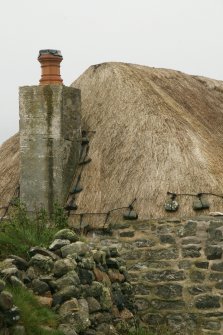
(152, 131)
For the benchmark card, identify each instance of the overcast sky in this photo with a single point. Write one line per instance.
(185, 35)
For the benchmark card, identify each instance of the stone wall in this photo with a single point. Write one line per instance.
(176, 268)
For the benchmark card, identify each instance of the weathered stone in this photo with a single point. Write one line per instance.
(142, 304)
(185, 264)
(42, 251)
(57, 244)
(99, 256)
(19, 262)
(207, 301)
(6, 301)
(87, 263)
(113, 263)
(43, 263)
(189, 229)
(142, 243)
(215, 234)
(86, 276)
(79, 320)
(64, 294)
(62, 266)
(170, 304)
(213, 252)
(101, 276)
(202, 264)
(169, 291)
(127, 233)
(195, 290)
(40, 286)
(191, 251)
(108, 329)
(212, 325)
(197, 276)
(105, 299)
(93, 304)
(216, 277)
(115, 276)
(66, 234)
(125, 314)
(79, 248)
(217, 267)
(95, 290)
(118, 297)
(167, 239)
(69, 279)
(165, 275)
(69, 307)
(159, 254)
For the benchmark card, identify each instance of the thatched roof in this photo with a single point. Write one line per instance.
(9, 170)
(155, 130)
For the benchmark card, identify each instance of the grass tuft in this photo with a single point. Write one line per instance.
(33, 315)
(21, 231)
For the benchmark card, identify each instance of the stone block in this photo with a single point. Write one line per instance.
(165, 275)
(207, 302)
(192, 251)
(213, 252)
(169, 291)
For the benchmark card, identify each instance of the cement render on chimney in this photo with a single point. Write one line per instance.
(50, 133)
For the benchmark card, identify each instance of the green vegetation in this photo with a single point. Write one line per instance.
(22, 231)
(34, 317)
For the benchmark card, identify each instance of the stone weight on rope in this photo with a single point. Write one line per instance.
(171, 206)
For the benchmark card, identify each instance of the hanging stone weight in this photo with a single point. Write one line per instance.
(200, 203)
(171, 206)
(130, 215)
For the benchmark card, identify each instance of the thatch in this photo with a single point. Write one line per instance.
(9, 170)
(156, 130)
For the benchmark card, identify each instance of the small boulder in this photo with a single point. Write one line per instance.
(79, 248)
(57, 244)
(66, 234)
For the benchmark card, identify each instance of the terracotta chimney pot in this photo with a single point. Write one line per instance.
(50, 65)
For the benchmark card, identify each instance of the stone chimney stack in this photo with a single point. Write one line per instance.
(50, 134)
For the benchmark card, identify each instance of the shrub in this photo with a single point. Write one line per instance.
(21, 231)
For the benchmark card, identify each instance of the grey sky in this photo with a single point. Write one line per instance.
(185, 35)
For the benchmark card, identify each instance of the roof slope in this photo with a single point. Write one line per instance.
(156, 130)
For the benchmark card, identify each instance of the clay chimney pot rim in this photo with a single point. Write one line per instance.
(52, 52)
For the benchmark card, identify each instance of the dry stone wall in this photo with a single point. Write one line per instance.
(176, 268)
